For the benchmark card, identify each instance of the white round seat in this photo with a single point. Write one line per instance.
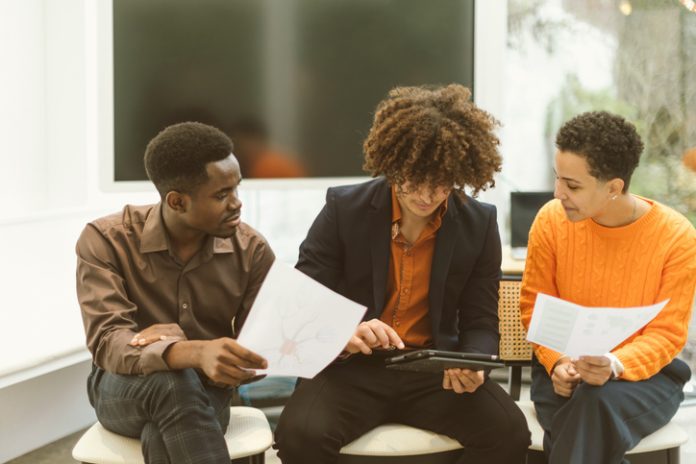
(247, 435)
(399, 440)
(402, 440)
(669, 436)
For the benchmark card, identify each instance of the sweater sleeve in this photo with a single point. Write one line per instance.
(662, 339)
(539, 276)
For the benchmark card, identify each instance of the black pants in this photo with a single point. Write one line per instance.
(599, 424)
(177, 417)
(347, 400)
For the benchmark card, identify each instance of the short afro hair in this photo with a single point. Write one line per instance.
(433, 136)
(176, 158)
(610, 144)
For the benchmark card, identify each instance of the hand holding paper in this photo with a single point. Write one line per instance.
(576, 330)
(297, 324)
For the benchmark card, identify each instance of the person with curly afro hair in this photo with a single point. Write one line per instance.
(158, 286)
(598, 245)
(424, 258)
(433, 137)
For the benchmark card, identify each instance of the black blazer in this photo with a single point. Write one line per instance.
(347, 249)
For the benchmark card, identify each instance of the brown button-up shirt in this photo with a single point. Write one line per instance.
(408, 283)
(128, 279)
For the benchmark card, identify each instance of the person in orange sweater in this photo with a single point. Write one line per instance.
(596, 244)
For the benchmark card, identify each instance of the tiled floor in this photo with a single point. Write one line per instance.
(59, 452)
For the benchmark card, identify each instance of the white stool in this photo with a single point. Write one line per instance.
(248, 435)
(668, 439)
(402, 444)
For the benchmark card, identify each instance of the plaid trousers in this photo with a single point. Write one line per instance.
(178, 417)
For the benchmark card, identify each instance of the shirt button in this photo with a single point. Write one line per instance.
(185, 305)
(405, 291)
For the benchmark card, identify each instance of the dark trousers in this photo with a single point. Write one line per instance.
(599, 424)
(177, 417)
(347, 400)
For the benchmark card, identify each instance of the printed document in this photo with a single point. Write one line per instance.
(297, 324)
(576, 330)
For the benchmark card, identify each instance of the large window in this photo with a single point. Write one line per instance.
(295, 78)
(632, 57)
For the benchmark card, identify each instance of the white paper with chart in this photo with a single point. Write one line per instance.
(297, 324)
(576, 330)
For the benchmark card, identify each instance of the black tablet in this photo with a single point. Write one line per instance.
(438, 361)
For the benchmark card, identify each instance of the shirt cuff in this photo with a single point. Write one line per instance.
(152, 356)
(617, 367)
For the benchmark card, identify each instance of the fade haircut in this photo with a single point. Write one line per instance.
(610, 144)
(433, 136)
(176, 158)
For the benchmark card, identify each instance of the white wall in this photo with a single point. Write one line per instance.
(64, 150)
(43, 409)
(42, 97)
(22, 106)
(49, 83)
(489, 56)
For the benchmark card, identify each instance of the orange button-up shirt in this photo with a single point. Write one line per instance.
(408, 282)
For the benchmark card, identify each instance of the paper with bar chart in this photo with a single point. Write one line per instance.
(576, 330)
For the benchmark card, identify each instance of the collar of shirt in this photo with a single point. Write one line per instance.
(154, 237)
(434, 223)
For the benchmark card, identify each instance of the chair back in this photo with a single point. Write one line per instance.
(513, 338)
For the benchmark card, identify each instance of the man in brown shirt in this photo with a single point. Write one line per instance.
(425, 259)
(163, 290)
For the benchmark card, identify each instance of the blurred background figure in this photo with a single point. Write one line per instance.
(257, 158)
(689, 158)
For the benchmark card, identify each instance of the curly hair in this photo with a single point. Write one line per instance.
(610, 144)
(433, 136)
(176, 158)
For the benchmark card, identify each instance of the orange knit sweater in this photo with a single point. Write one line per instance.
(645, 262)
